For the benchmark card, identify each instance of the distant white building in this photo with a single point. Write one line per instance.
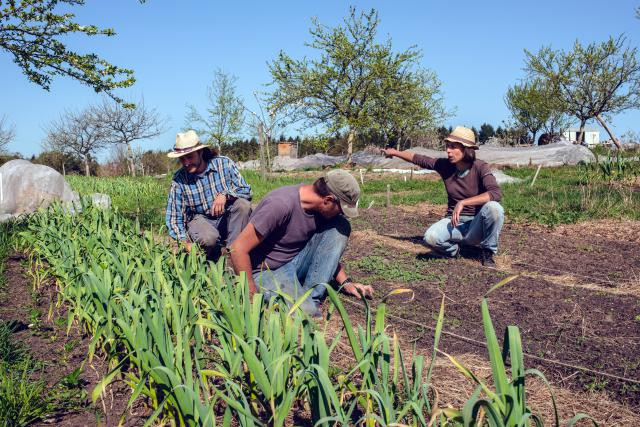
(591, 136)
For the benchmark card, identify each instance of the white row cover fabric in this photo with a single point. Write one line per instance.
(556, 154)
(25, 187)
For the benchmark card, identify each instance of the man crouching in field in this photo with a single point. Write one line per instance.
(295, 238)
(209, 201)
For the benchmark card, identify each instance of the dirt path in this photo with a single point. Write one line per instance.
(41, 328)
(576, 299)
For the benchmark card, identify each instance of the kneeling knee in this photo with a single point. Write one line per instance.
(242, 206)
(341, 225)
(432, 239)
(493, 210)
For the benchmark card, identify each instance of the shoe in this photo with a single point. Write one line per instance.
(487, 258)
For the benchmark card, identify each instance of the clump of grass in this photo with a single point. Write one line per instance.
(385, 269)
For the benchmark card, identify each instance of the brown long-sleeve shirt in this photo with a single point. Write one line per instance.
(477, 180)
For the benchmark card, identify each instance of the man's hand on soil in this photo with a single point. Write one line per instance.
(357, 289)
(218, 205)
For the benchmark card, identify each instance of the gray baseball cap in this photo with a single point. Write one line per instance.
(346, 189)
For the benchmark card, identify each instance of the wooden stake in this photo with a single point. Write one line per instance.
(388, 195)
(536, 175)
(361, 178)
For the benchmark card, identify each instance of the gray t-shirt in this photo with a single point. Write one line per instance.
(285, 226)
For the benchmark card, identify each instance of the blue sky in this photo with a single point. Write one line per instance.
(475, 47)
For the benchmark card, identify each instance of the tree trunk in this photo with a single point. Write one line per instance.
(132, 166)
(609, 131)
(580, 136)
(533, 142)
(263, 166)
(350, 138)
(266, 140)
(86, 166)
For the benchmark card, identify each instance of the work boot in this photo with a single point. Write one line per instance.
(487, 258)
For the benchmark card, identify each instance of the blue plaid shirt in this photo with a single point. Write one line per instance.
(192, 194)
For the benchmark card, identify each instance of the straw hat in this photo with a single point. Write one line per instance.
(186, 142)
(464, 136)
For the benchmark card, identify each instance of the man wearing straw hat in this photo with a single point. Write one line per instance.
(474, 215)
(209, 201)
(295, 239)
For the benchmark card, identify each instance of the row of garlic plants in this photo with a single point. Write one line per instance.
(185, 334)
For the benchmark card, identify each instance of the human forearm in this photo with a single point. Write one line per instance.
(242, 263)
(404, 155)
(480, 199)
(240, 250)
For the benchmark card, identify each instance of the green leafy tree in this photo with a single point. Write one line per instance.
(338, 90)
(224, 117)
(594, 81)
(33, 32)
(409, 101)
(536, 106)
(486, 132)
(62, 162)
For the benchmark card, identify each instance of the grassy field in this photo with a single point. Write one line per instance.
(560, 195)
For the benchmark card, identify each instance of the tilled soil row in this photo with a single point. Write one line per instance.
(41, 329)
(592, 326)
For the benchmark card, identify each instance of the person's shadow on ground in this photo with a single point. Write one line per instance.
(471, 252)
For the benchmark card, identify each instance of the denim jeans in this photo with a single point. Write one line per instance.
(482, 230)
(316, 263)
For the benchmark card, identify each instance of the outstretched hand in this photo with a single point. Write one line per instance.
(358, 289)
(388, 152)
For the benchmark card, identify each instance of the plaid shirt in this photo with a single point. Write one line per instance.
(192, 194)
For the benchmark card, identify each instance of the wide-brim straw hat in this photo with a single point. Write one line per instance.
(186, 142)
(464, 136)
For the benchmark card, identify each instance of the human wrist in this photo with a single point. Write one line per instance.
(346, 281)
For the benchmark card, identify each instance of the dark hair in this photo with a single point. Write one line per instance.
(469, 155)
(209, 153)
(320, 187)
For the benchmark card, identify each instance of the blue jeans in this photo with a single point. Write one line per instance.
(316, 263)
(482, 230)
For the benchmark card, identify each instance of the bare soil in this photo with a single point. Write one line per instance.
(40, 328)
(575, 300)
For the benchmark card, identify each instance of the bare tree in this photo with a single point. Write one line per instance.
(122, 125)
(224, 116)
(7, 133)
(76, 133)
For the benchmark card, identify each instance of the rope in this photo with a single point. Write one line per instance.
(483, 344)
